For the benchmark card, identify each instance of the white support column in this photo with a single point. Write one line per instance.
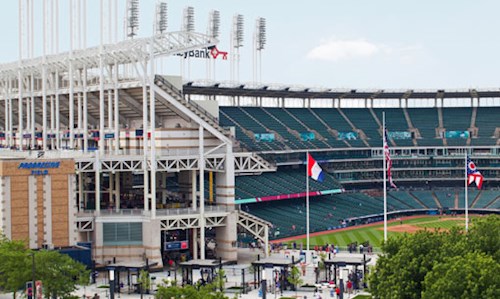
(117, 191)
(110, 110)
(97, 184)
(85, 113)
(44, 107)
(101, 104)
(20, 107)
(117, 112)
(52, 120)
(201, 166)
(145, 135)
(111, 189)
(195, 243)
(153, 137)
(193, 190)
(32, 112)
(79, 115)
(71, 105)
(81, 200)
(226, 236)
(19, 76)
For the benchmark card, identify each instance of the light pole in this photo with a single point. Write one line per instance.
(33, 287)
(111, 283)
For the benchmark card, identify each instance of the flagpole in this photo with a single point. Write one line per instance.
(466, 197)
(307, 203)
(385, 175)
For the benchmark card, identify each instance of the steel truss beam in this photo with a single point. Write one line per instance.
(244, 162)
(191, 221)
(124, 52)
(254, 225)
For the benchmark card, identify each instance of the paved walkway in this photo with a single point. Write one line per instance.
(233, 274)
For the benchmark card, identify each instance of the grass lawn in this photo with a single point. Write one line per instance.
(375, 234)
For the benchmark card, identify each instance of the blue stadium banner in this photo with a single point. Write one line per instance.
(306, 136)
(348, 135)
(399, 135)
(266, 137)
(457, 134)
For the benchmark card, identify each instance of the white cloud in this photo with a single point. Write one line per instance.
(336, 50)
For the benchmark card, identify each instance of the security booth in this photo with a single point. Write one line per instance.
(126, 275)
(342, 262)
(207, 270)
(280, 270)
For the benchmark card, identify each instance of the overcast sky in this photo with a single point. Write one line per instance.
(360, 44)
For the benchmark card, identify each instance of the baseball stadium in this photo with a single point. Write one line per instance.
(100, 147)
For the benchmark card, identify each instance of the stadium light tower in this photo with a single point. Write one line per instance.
(161, 17)
(187, 26)
(132, 18)
(259, 40)
(236, 44)
(213, 31)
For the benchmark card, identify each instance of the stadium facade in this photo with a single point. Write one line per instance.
(98, 147)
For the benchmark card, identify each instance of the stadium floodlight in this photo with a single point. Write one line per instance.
(188, 19)
(132, 17)
(161, 17)
(238, 31)
(260, 33)
(214, 23)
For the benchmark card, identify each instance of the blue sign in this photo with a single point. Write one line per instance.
(38, 168)
(109, 135)
(399, 135)
(457, 134)
(348, 135)
(176, 245)
(35, 165)
(307, 136)
(266, 137)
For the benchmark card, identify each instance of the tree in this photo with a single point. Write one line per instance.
(475, 275)
(15, 268)
(484, 236)
(59, 273)
(412, 262)
(208, 291)
(295, 278)
(144, 282)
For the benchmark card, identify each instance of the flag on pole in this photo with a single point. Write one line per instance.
(314, 170)
(387, 154)
(473, 175)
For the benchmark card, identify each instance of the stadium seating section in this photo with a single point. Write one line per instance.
(289, 124)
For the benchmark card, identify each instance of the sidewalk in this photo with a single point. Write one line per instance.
(233, 278)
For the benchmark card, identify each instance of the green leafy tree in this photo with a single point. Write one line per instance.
(208, 291)
(144, 282)
(295, 278)
(484, 236)
(15, 265)
(411, 262)
(475, 275)
(59, 273)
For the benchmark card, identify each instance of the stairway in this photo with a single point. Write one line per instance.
(170, 89)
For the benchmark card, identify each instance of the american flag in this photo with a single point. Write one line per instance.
(473, 174)
(388, 160)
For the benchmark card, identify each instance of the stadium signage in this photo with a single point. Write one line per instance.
(39, 168)
(207, 53)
